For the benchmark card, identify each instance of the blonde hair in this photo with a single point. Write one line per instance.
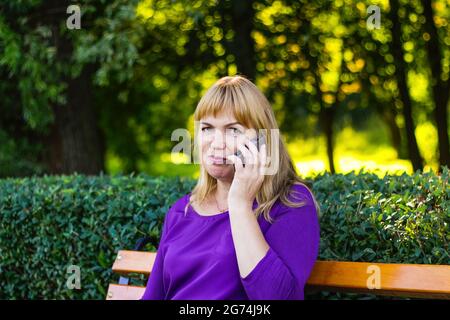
(250, 107)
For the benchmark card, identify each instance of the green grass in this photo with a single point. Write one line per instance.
(353, 152)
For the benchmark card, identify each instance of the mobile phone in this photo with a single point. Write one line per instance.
(257, 141)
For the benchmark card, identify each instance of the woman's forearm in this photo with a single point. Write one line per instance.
(249, 241)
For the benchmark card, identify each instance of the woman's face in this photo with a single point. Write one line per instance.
(219, 138)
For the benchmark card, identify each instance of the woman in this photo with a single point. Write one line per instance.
(240, 234)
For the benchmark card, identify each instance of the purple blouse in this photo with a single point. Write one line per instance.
(196, 259)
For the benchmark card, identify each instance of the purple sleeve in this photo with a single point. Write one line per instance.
(293, 240)
(155, 286)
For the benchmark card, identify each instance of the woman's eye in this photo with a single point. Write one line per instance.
(205, 129)
(235, 131)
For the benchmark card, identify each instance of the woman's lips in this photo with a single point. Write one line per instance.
(217, 160)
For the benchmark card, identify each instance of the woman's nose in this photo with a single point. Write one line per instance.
(218, 140)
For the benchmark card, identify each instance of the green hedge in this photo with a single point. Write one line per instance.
(50, 223)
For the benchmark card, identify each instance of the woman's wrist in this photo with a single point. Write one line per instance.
(240, 205)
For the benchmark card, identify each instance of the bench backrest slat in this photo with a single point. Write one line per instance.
(408, 280)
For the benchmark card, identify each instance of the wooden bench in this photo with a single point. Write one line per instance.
(404, 280)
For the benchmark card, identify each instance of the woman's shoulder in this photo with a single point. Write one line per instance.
(181, 202)
(177, 208)
(301, 192)
(303, 198)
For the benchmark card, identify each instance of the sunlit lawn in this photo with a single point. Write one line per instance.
(352, 153)
(380, 161)
(369, 151)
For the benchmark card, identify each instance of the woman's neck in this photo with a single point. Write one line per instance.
(222, 190)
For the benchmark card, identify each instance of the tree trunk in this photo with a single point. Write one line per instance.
(242, 46)
(441, 88)
(327, 120)
(388, 113)
(400, 74)
(395, 132)
(75, 143)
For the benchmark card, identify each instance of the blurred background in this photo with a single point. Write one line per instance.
(350, 92)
